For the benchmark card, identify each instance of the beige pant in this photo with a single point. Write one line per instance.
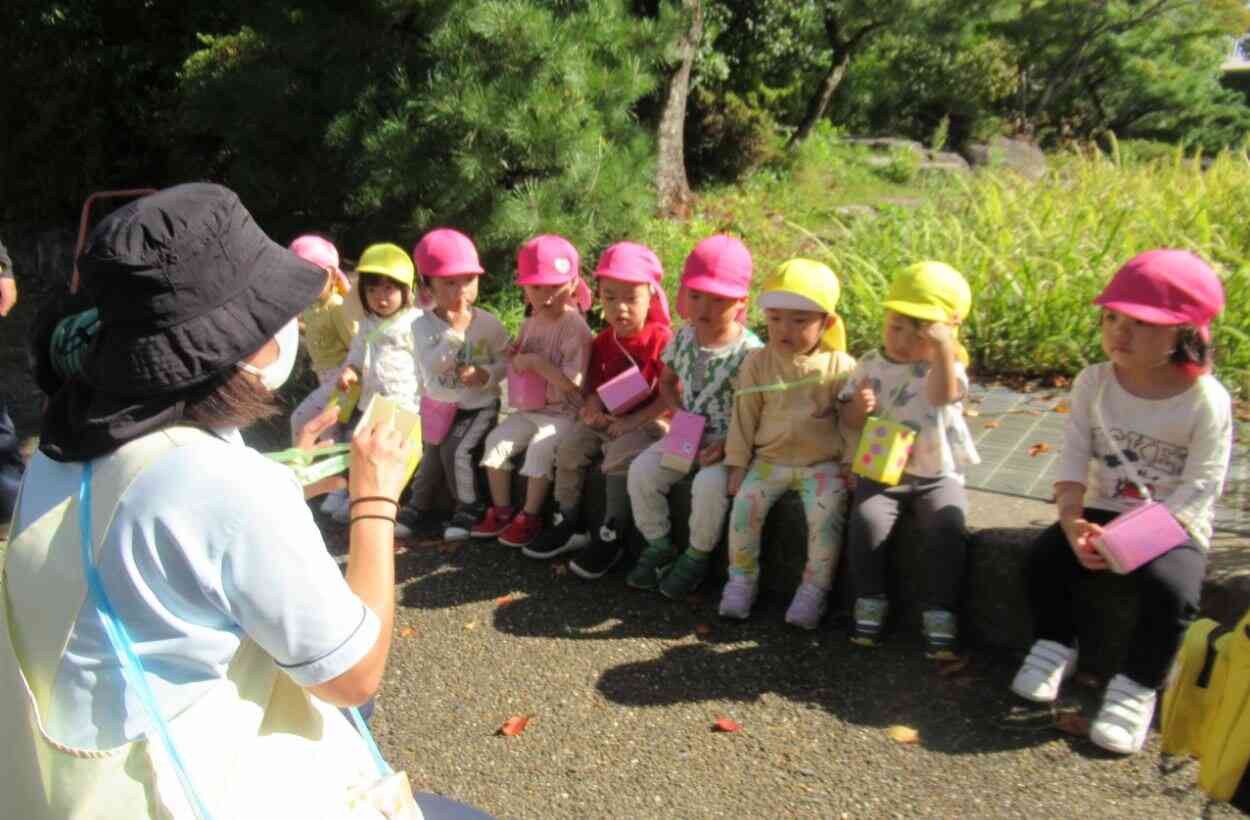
(535, 432)
(579, 448)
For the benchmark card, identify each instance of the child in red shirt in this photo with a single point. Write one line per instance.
(636, 311)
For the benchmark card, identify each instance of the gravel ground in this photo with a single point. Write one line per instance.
(622, 688)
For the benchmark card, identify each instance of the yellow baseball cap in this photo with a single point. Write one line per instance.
(804, 284)
(386, 259)
(930, 291)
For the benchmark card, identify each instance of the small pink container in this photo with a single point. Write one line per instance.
(1137, 536)
(526, 390)
(436, 419)
(624, 391)
(681, 445)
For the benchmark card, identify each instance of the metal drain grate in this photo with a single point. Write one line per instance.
(1019, 436)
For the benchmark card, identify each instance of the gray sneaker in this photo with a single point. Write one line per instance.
(737, 598)
(808, 606)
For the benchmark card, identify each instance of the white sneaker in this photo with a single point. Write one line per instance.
(737, 598)
(807, 607)
(1046, 667)
(333, 500)
(1124, 719)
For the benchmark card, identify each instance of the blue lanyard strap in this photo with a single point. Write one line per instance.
(132, 667)
(384, 768)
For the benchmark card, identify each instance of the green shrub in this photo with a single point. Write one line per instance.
(1035, 254)
(726, 137)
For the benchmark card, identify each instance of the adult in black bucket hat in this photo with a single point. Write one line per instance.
(247, 633)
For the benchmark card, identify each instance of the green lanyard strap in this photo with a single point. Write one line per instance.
(305, 466)
(778, 387)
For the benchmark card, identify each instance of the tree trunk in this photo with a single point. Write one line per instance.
(672, 185)
(820, 101)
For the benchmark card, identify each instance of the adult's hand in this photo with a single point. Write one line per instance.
(310, 440)
(379, 461)
(8, 295)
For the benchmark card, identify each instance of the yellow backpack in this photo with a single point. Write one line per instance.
(1206, 709)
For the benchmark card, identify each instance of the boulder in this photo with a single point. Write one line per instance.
(1017, 155)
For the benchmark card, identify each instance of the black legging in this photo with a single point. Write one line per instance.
(1169, 588)
(11, 464)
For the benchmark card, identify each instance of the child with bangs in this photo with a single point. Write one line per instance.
(700, 368)
(625, 356)
(782, 437)
(461, 353)
(545, 376)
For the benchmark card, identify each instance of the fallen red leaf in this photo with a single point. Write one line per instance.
(1072, 723)
(991, 424)
(513, 726)
(1063, 407)
(946, 668)
(725, 725)
(504, 600)
(1039, 448)
(407, 632)
(702, 630)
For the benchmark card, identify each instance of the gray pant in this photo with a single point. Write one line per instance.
(649, 484)
(934, 510)
(449, 465)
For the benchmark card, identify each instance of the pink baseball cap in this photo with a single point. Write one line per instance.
(1166, 287)
(316, 249)
(546, 260)
(446, 252)
(720, 265)
(552, 260)
(322, 253)
(638, 264)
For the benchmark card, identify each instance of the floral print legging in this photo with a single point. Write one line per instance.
(823, 491)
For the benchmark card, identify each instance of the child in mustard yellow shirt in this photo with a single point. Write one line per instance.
(781, 437)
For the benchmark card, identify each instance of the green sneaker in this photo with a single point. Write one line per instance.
(941, 635)
(646, 573)
(684, 575)
(868, 621)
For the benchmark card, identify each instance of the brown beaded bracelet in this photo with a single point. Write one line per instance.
(367, 517)
(363, 499)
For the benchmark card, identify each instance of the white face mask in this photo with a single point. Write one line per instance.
(275, 374)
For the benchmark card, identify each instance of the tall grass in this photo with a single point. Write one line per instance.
(1035, 254)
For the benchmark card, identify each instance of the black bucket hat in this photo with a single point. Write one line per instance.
(187, 284)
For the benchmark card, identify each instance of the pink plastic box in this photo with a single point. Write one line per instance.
(624, 391)
(1137, 536)
(526, 390)
(436, 419)
(681, 445)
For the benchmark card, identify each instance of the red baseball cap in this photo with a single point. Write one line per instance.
(1166, 287)
(446, 252)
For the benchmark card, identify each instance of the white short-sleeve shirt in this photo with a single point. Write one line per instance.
(211, 544)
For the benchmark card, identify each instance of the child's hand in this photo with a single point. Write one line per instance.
(712, 453)
(471, 376)
(864, 399)
(621, 427)
(940, 334)
(569, 392)
(736, 475)
(592, 415)
(1081, 535)
(524, 362)
(346, 379)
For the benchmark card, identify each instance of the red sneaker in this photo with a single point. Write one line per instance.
(496, 521)
(523, 529)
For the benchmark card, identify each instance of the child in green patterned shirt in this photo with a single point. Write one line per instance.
(700, 368)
